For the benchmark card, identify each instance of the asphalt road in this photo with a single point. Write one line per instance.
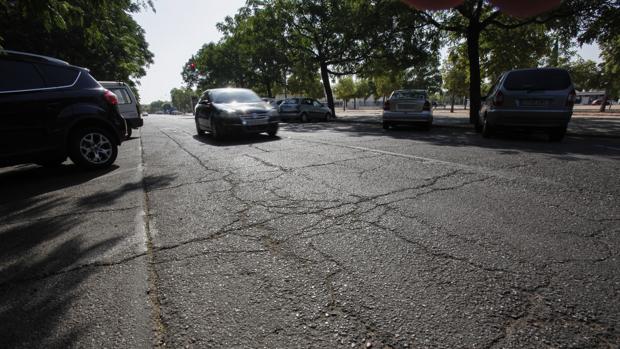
(330, 235)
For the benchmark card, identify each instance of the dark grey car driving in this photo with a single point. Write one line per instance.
(224, 111)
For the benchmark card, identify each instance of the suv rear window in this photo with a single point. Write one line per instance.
(122, 95)
(17, 76)
(408, 95)
(534, 80)
(56, 76)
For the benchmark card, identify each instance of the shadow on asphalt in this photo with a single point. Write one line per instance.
(236, 139)
(504, 142)
(37, 245)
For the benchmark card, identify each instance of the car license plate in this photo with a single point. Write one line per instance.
(255, 122)
(535, 102)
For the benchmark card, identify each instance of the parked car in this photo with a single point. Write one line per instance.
(304, 110)
(407, 107)
(531, 99)
(223, 111)
(600, 101)
(50, 109)
(127, 104)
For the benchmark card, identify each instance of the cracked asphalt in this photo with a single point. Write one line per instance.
(328, 236)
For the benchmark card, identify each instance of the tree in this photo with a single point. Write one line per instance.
(473, 17)
(455, 75)
(363, 89)
(183, 99)
(354, 37)
(103, 35)
(586, 75)
(345, 90)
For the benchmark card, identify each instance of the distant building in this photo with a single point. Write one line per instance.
(586, 98)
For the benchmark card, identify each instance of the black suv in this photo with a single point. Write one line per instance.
(50, 110)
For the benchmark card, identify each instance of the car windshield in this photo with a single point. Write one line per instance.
(234, 96)
(409, 95)
(536, 80)
(291, 101)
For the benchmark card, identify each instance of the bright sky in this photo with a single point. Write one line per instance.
(180, 27)
(176, 31)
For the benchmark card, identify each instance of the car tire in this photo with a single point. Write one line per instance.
(303, 117)
(487, 130)
(92, 148)
(128, 133)
(216, 130)
(328, 117)
(199, 131)
(386, 125)
(557, 135)
(273, 131)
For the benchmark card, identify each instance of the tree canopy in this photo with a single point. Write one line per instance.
(99, 35)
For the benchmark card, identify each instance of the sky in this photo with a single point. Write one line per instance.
(179, 28)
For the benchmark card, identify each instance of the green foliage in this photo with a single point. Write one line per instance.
(183, 99)
(157, 106)
(345, 89)
(455, 72)
(99, 35)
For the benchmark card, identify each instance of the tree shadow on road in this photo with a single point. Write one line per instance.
(48, 252)
(505, 143)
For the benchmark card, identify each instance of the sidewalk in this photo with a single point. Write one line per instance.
(587, 124)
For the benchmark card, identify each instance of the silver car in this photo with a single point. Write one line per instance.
(530, 99)
(407, 107)
(304, 110)
(127, 104)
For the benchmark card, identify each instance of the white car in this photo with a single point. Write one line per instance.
(407, 107)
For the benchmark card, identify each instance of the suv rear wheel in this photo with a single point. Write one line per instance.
(92, 148)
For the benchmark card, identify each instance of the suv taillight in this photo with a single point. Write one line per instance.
(386, 105)
(110, 97)
(498, 100)
(570, 101)
(427, 106)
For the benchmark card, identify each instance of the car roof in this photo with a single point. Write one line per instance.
(112, 83)
(34, 57)
(535, 69)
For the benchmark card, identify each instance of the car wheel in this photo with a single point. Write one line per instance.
(386, 125)
(199, 131)
(487, 130)
(216, 130)
(557, 135)
(272, 131)
(328, 117)
(92, 148)
(128, 133)
(304, 117)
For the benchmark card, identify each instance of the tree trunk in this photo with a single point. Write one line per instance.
(473, 46)
(269, 92)
(452, 104)
(604, 103)
(354, 103)
(328, 88)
